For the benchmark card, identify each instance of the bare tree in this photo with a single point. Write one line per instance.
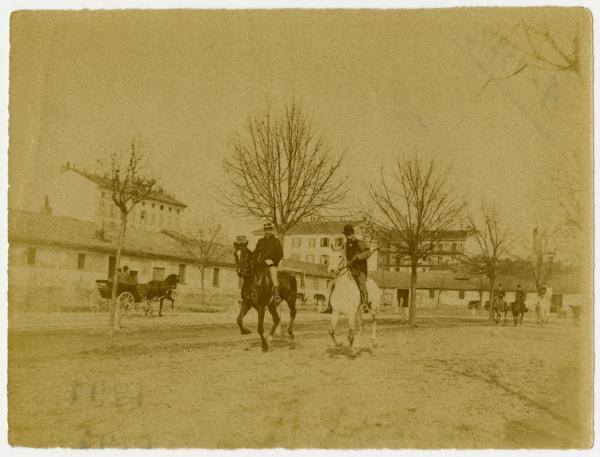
(417, 208)
(201, 241)
(493, 243)
(282, 171)
(130, 186)
(542, 259)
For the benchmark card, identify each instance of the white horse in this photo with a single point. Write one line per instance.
(345, 299)
(543, 306)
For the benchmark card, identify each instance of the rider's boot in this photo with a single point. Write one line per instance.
(276, 296)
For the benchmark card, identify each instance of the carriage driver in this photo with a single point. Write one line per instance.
(269, 251)
(357, 253)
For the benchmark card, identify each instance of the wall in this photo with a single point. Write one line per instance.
(61, 191)
(55, 282)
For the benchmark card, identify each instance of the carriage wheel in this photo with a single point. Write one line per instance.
(126, 302)
(96, 302)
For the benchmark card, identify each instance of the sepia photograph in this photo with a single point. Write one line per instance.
(366, 228)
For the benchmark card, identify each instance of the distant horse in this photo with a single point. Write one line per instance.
(257, 292)
(162, 290)
(345, 299)
(518, 310)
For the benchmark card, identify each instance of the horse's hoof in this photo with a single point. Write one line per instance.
(291, 335)
(265, 348)
(246, 331)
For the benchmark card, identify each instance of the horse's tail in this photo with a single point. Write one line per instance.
(293, 291)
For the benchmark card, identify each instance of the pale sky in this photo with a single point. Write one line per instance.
(381, 84)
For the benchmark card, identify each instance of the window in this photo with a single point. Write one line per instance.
(398, 258)
(453, 247)
(310, 258)
(152, 219)
(339, 242)
(295, 257)
(325, 259)
(302, 282)
(461, 293)
(153, 205)
(296, 242)
(431, 293)
(161, 220)
(324, 242)
(158, 274)
(182, 273)
(312, 242)
(170, 209)
(161, 207)
(80, 261)
(177, 210)
(143, 215)
(316, 284)
(439, 259)
(328, 283)
(31, 256)
(215, 277)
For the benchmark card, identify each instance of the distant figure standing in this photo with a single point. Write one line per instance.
(543, 306)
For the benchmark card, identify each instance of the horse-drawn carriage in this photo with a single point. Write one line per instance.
(133, 296)
(129, 297)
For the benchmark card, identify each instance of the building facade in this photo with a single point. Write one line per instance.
(314, 242)
(160, 211)
(448, 250)
(54, 263)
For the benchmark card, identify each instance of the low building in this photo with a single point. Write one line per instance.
(54, 263)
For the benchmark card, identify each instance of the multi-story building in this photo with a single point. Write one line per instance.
(314, 242)
(87, 196)
(449, 247)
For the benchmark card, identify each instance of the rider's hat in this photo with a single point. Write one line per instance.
(240, 239)
(268, 226)
(348, 229)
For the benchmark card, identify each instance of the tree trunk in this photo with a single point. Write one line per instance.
(412, 303)
(479, 311)
(202, 270)
(114, 317)
(281, 237)
(492, 283)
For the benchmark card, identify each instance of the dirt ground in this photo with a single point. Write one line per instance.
(452, 382)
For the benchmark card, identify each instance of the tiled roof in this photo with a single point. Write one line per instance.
(448, 280)
(106, 183)
(45, 229)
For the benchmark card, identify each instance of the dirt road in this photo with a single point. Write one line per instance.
(447, 383)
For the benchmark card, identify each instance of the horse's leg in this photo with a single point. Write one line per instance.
(292, 306)
(335, 315)
(261, 323)
(358, 321)
(160, 307)
(351, 329)
(374, 329)
(276, 319)
(240, 319)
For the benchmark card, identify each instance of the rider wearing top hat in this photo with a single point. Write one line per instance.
(269, 251)
(357, 253)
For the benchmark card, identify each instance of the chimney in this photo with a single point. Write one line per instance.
(47, 209)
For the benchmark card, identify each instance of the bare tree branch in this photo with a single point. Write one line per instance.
(282, 171)
(417, 208)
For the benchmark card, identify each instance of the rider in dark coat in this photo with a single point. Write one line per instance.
(269, 251)
(357, 253)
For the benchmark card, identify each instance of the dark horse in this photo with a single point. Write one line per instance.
(162, 290)
(257, 292)
(518, 310)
